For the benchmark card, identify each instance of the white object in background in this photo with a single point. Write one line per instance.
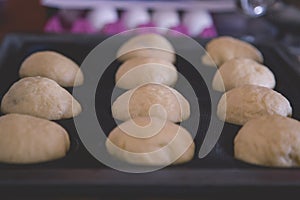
(135, 16)
(101, 16)
(196, 21)
(256, 8)
(166, 18)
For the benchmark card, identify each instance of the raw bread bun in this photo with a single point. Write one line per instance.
(153, 142)
(147, 45)
(270, 141)
(151, 99)
(242, 71)
(139, 71)
(40, 97)
(244, 103)
(226, 48)
(52, 65)
(26, 139)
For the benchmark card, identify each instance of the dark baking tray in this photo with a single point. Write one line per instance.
(79, 174)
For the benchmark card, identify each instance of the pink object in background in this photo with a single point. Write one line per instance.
(209, 32)
(79, 26)
(114, 28)
(82, 26)
(53, 25)
(181, 29)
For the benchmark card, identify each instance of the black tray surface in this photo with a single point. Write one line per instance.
(80, 173)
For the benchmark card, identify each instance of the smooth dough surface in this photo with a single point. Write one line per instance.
(25, 139)
(269, 141)
(169, 143)
(52, 65)
(244, 103)
(147, 45)
(242, 71)
(40, 97)
(225, 48)
(139, 71)
(151, 99)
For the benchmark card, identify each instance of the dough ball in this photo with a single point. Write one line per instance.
(269, 141)
(52, 65)
(139, 71)
(242, 71)
(226, 48)
(147, 45)
(25, 139)
(151, 99)
(40, 97)
(153, 142)
(241, 104)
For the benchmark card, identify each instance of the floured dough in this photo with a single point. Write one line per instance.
(138, 71)
(225, 48)
(147, 45)
(26, 139)
(166, 144)
(242, 71)
(270, 141)
(40, 97)
(52, 65)
(244, 103)
(155, 99)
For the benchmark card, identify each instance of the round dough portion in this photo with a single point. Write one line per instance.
(269, 141)
(170, 144)
(154, 100)
(226, 48)
(147, 45)
(25, 139)
(139, 71)
(52, 65)
(40, 97)
(242, 71)
(244, 103)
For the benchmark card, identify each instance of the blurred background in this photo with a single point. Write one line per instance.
(253, 20)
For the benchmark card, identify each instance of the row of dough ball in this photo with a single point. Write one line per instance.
(39, 92)
(27, 135)
(148, 72)
(238, 62)
(268, 137)
(248, 84)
